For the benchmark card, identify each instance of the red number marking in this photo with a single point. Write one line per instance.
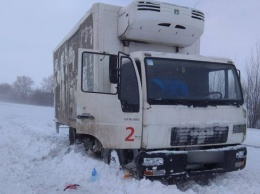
(132, 130)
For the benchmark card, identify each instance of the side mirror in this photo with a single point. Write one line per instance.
(113, 69)
(238, 72)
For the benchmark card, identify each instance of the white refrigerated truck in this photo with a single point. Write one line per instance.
(132, 81)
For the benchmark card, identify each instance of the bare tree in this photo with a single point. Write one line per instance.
(48, 84)
(48, 90)
(22, 86)
(252, 88)
(6, 91)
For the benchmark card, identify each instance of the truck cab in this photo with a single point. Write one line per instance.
(167, 107)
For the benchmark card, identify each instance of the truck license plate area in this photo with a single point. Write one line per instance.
(198, 136)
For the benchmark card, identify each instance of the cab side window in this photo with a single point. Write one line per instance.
(128, 92)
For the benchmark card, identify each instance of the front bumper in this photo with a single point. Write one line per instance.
(181, 164)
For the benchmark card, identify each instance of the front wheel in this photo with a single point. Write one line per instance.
(112, 157)
(114, 160)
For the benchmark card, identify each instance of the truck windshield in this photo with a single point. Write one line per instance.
(192, 83)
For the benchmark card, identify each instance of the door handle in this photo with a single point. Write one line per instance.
(85, 116)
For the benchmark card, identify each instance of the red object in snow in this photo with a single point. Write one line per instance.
(71, 186)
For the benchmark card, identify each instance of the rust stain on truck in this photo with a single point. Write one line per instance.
(66, 71)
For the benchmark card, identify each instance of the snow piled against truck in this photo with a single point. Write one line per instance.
(34, 159)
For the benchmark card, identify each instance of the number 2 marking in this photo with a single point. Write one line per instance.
(132, 130)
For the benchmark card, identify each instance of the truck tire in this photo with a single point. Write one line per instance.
(72, 135)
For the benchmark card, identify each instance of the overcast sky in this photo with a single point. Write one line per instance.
(30, 30)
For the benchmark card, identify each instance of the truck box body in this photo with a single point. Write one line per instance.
(108, 92)
(89, 33)
(98, 30)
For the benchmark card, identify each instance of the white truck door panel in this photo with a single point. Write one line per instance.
(99, 111)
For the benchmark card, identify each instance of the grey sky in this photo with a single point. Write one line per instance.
(30, 31)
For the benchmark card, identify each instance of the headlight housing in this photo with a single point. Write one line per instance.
(153, 161)
(239, 129)
(240, 154)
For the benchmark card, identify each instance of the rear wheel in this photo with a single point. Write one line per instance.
(72, 135)
(92, 144)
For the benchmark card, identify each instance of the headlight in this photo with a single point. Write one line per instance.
(153, 161)
(240, 154)
(239, 128)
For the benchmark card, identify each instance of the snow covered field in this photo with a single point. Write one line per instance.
(35, 159)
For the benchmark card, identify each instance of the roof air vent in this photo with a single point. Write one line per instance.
(148, 6)
(197, 15)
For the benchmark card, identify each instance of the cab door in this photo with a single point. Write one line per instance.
(111, 112)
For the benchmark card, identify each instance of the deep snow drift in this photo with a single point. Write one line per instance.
(35, 159)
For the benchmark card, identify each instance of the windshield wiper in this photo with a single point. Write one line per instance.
(203, 103)
(194, 103)
(215, 103)
(170, 101)
(234, 103)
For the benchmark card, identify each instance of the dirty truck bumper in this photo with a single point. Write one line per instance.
(181, 164)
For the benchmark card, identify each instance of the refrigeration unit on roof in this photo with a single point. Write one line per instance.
(160, 23)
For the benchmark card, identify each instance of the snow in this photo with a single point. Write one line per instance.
(35, 159)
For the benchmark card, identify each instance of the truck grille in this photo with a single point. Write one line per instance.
(198, 136)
